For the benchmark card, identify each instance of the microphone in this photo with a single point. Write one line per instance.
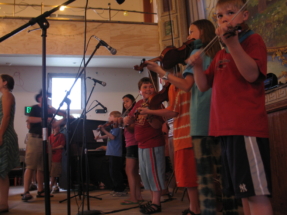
(103, 43)
(98, 81)
(99, 103)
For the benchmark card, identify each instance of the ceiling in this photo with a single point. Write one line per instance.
(71, 61)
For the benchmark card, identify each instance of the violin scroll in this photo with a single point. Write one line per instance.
(171, 56)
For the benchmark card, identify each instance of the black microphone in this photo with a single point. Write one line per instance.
(111, 49)
(98, 81)
(99, 103)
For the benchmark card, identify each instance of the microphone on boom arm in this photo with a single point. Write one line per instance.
(98, 81)
(103, 43)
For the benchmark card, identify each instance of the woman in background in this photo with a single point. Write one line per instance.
(9, 149)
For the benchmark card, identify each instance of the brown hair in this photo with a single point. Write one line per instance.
(132, 98)
(116, 114)
(144, 80)
(207, 33)
(233, 3)
(10, 81)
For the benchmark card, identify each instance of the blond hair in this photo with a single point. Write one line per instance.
(116, 114)
(231, 3)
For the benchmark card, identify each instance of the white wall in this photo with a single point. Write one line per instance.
(28, 82)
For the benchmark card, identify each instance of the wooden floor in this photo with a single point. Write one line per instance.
(107, 205)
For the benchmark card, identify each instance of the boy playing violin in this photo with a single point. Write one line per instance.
(238, 114)
(114, 151)
(148, 133)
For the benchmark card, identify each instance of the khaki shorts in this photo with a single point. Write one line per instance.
(56, 169)
(34, 153)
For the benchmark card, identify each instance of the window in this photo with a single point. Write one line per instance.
(59, 84)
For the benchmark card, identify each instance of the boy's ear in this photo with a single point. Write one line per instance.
(245, 15)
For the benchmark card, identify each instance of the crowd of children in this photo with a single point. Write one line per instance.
(228, 128)
(219, 130)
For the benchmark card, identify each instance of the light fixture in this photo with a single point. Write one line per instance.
(62, 8)
(120, 1)
(126, 13)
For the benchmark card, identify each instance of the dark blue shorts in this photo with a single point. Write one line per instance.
(132, 152)
(245, 166)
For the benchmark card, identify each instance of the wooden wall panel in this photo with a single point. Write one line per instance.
(278, 152)
(276, 106)
(67, 38)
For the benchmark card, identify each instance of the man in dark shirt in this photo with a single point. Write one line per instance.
(34, 150)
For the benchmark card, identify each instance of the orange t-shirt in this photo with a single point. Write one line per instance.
(179, 101)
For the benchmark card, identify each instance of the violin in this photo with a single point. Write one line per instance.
(240, 28)
(155, 100)
(107, 124)
(170, 56)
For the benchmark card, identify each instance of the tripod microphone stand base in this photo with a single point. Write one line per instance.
(91, 212)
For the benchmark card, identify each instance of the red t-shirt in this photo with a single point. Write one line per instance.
(147, 136)
(237, 106)
(57, 140)
(130, 139)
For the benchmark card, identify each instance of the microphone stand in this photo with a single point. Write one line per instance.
(84, 142)
(44, 25)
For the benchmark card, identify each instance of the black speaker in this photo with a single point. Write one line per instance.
(120, 1)
(271, 81)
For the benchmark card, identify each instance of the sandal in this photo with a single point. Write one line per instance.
(187, 212)
(151, 209)
(4, 210)
(169, 195)
(145, 205)
(41, 194)
(26, 196)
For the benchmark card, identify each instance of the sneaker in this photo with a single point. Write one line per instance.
(119, 194)
(26, 196)
(55, 189)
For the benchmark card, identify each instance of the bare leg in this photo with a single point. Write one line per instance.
(132, 170)
(27, 179)
(246, 208)
(4, 191)
(53, 182)
(193, 200)
(257, 205)
(156, 197)
(40, 180)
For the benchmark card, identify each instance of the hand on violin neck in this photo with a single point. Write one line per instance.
(152, 66)
(143, 110)
(228, 34)
(128, 120)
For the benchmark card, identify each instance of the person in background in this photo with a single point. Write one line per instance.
(184, 160)
(9, 149)
(34, 155)
(33, 185)
(151, 143)
(114, 151)
(132, 162)
(57, 141)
